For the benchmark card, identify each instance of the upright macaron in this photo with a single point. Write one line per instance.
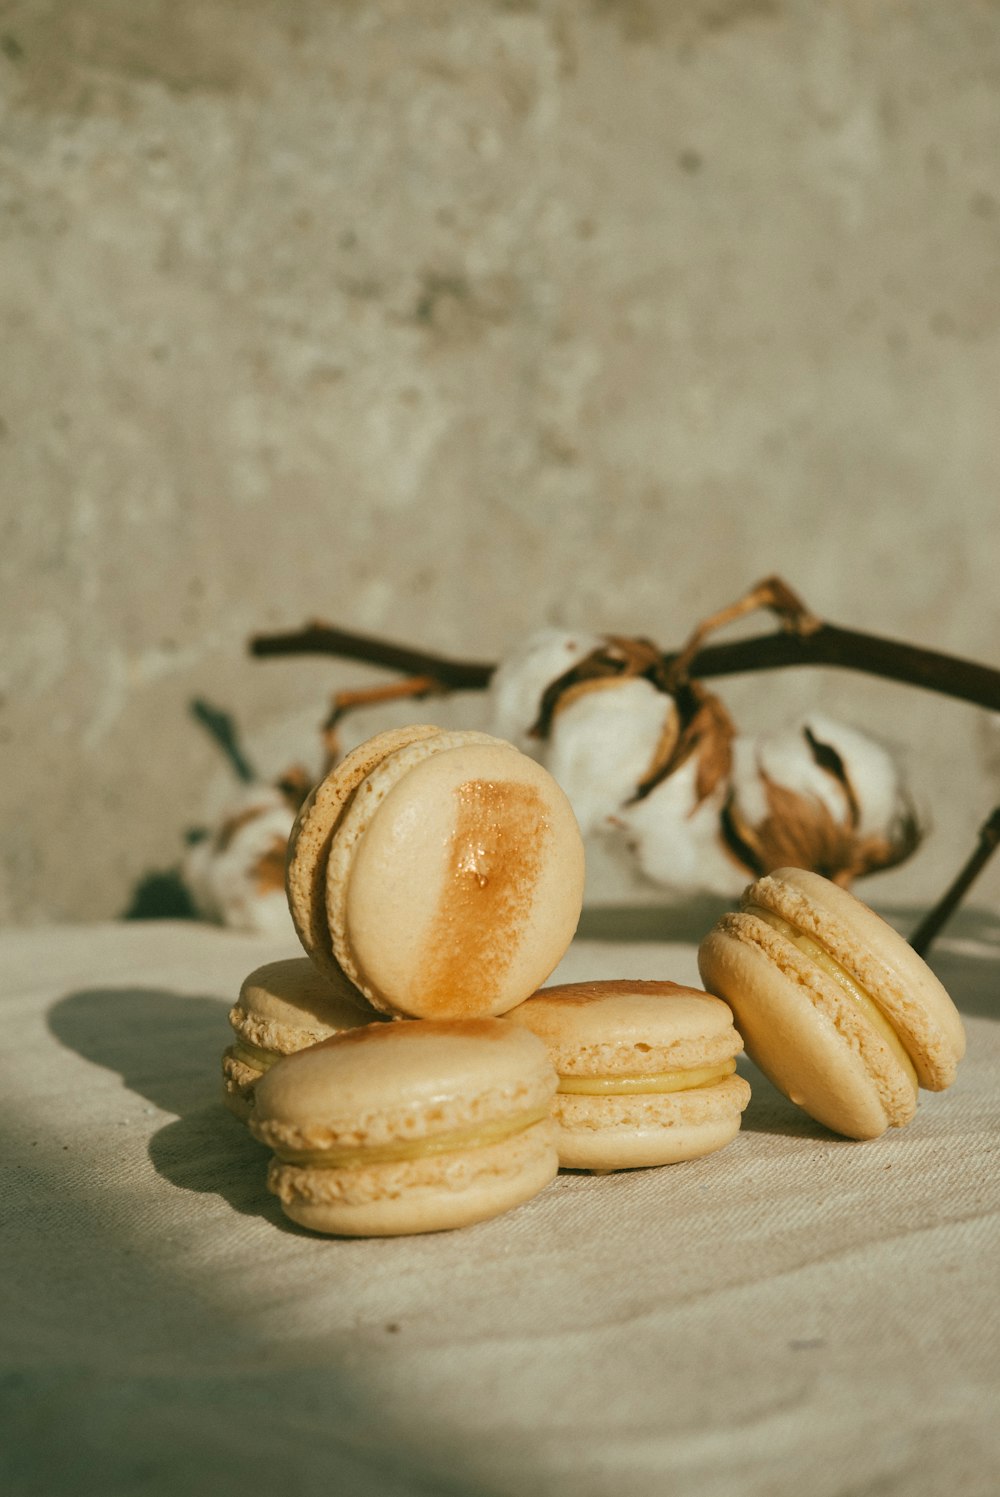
(450, 870)
(415, 1126)
(312, 833)
(834, 1005)
(647, 1071)
(283, 1007)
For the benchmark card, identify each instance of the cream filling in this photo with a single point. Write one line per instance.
(360, 1156)
(657, 1081)
(832, 968)
(251, 1055)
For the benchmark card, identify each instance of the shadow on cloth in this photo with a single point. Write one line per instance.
(168, 1048)
(171, 1422)
(769, 1111)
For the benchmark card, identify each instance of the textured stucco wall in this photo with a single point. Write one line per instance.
(444, 321)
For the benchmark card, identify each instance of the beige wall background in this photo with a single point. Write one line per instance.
(446, 321)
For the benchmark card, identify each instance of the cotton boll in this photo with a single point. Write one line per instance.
(785, 759)
(235, 876)
(818, 795)
(602, 743)
(850, 774)
(675, 838)
(520, 680)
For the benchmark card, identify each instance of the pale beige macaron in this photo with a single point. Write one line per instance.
(647, 1071)
(414, 1126)
(834, 1005)
(452, 874)
(312, 833)
(283, 1007)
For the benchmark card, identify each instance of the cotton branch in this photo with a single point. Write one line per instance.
(826, 645)
(802, 640)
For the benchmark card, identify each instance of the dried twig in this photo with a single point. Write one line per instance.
(825, 645)
(772, 594)
(317, 638)
(935, 919)
(411, 688)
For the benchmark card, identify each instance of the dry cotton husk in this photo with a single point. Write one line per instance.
(661, 767)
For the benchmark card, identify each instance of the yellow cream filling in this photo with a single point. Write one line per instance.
(658, 1081)
(832, 968)
(250, 1055)
(478, 1136)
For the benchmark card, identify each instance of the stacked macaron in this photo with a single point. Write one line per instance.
(441, 872)
(409, 1127)
(646, 1071)
(435, 879)
(283, 1007)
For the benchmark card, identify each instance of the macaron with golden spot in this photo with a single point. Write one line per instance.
(414, 1126)
(284, 1007)
(834, 1005)
(454, 879)
(647, 1071)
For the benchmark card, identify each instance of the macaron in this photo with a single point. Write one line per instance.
(416, 1126)
(441, 872)
(312, 832)
(283, 1007)
(647, 1071)
(835, 1007)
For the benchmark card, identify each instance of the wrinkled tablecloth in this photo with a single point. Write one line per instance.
(797, 1314)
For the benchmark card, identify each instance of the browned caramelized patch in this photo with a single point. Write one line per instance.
(495, 859)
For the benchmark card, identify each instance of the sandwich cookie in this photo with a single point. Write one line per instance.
(415, 1126)
(283, 1007)
(647, 1071)
(312, 832)
(453, 871)
(835, 1007)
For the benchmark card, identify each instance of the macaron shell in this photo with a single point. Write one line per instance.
(407, 1080)
(285, 1005)
(879, 959)
(429, 1195)
(311, 834)
(628, 1026)
(803, 1032)
(238, 1082)
(464, 890)
(632, 1132)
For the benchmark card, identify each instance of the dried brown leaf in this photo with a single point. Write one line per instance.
(702, 727)
(618, 658)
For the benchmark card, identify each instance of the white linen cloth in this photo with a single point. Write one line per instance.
(797, 1314)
